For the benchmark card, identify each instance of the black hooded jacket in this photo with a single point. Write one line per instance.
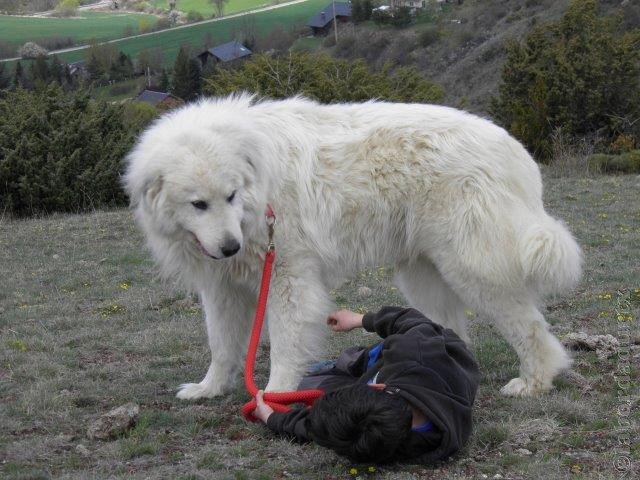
(428, 365)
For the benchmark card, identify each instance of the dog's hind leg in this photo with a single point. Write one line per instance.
(228, 314)
(426, 290)
(541, 354)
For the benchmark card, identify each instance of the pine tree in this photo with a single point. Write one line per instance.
(163, 83)
(94, 68)
(187, 83)
(19, 80)
(40, 71)
(357, 11)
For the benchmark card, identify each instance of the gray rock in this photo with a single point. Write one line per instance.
(364, 292)
(605, 346)
(82, 450)
(523, 451)
(114, 423)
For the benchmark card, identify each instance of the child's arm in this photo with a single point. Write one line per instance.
(344, 320)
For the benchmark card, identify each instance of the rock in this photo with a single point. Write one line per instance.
(605, 346)
(523, 451)
(114, 423)
(82, 450)
(364, 292)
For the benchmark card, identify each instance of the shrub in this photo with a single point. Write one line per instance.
(194, 16)
(61, 151)
(67, 8)
(628, 162)
(323, 78)
(32, 50)
(580, 75)
(428, 36)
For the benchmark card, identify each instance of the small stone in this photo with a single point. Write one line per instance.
(114, 423)
(56, 256)
(523, 451)
(364, 291)
(497, 475)
(82, 450)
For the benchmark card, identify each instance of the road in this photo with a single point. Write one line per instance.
(189, 25)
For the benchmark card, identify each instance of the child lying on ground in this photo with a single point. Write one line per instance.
(407, 398)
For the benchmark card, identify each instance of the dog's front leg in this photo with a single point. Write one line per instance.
(298, 307)
(228, 313)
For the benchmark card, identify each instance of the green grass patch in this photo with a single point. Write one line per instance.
(222, 31)
(207, 9)
(101, 26)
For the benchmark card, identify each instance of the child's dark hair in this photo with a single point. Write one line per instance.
(360, 422)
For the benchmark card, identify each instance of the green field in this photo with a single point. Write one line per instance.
(206, 8)
(101, 26)
(221, 31)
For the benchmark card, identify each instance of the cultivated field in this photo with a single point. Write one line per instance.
(206, 7)
(85, 326)
(88, 25)
(220, 31)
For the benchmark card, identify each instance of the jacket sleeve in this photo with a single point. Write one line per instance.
(397, 320)
(290, 424)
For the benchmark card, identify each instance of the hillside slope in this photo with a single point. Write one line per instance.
(463, 47)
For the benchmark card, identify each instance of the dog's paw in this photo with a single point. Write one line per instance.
(194, 391)
(520, 387)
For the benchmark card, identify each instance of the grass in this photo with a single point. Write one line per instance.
(85, 326)
(207, 9)
(221, 31)
(101, 26)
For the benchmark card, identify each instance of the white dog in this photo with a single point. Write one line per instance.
(447, 198)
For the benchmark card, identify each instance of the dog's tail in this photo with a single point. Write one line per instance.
(550, 256)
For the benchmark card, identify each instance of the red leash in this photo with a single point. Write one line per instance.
(279, 401)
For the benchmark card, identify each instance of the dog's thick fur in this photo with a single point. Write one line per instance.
(449, 199)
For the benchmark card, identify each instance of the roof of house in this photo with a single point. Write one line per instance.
(152, 97)
(229, 51)
(325, 16)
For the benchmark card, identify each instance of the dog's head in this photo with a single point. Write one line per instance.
(195, 181)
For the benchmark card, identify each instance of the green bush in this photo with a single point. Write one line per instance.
(323, 78)
(194, 16)
(580, 75)
(62, 151)
(429, 36)
(628, 162)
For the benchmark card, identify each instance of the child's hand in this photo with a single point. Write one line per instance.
(262, 411)
(344, 320)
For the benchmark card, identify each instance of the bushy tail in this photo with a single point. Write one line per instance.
(551, 258)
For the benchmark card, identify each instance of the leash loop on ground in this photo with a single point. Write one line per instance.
(279, 401)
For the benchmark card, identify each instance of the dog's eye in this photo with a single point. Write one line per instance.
(231, 197)
(200, 204)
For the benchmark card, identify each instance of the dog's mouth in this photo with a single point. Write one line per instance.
(201, 247)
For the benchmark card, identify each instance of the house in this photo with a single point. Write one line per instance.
(227, 52)
(322, 21)
(160, 100)
(413, 5)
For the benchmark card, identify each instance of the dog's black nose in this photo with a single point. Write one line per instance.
(230, 247)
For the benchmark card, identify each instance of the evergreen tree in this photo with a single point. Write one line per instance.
(94, 69)
(40, 71)
(5, 80)
(163, 83)
(186, 82)
(57, 70)
(579, 75)
(357, 11)
(19, 77)
(367, 9)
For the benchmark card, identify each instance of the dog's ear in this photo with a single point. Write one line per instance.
(150, 192)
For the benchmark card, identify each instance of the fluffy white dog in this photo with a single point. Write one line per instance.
(449, 199)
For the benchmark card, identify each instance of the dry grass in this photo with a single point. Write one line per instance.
(85, 326)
